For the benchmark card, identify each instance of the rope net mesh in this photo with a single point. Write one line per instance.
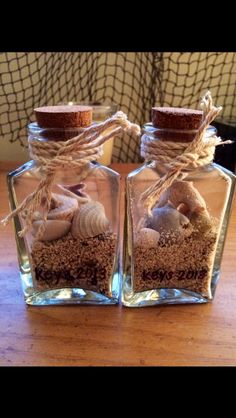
(136, 81)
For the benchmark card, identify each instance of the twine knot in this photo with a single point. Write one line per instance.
(128, 126)
(179, 157)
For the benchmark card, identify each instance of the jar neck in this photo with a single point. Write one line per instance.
(55, 138)
(163, 146)
(52, 134)
(175, 135)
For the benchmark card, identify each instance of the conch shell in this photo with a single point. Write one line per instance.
(75, 191)
(54, 229)
(167, 219)
(62, 207)
(89, 220)
(184, 195)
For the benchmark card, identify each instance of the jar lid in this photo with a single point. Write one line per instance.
(63, 116)
(176, 118)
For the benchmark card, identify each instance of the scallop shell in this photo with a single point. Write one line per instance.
(167, 219)
(147, 238)
(183, 192)
(89, 220)
(54, 229)
(63, 207)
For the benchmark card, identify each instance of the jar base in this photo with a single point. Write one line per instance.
(68, 295)
(158, 296)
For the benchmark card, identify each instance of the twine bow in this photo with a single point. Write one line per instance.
(75, 153)
(180, 157)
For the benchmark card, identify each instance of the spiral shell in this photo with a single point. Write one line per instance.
(89, 220)
(63, 207)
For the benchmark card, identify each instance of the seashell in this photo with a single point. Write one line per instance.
(182, 208)
(62, 207)
(167, 219)
(76, 191)
(37, 216)
(147, 238)
(54, 229)
(183, 192)
(201, 222)
(89, 220)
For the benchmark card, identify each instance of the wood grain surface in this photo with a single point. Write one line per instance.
(114, 335)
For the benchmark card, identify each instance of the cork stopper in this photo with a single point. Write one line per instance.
(167, 119)
(176, 118)
(63, 116)
(60, 123)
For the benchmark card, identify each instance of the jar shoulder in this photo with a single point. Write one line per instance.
(29, 166)
(152, 171)
(99, 169)
(32, 169)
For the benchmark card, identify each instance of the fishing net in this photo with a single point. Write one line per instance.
(136, 81)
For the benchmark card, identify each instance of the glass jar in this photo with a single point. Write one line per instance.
(175, 256)
(76, 259)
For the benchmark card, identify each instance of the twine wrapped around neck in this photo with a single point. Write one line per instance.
(180, 157)
(77, 152)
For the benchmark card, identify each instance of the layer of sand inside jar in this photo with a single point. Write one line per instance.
(73, 262)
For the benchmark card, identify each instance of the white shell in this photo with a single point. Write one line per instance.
(147, 238)
(89, 220)
(54, 229)
(65, 207)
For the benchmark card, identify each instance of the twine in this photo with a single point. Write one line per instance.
(179, 158)
(77, 152)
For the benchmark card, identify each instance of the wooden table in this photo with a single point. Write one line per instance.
(114, 335)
